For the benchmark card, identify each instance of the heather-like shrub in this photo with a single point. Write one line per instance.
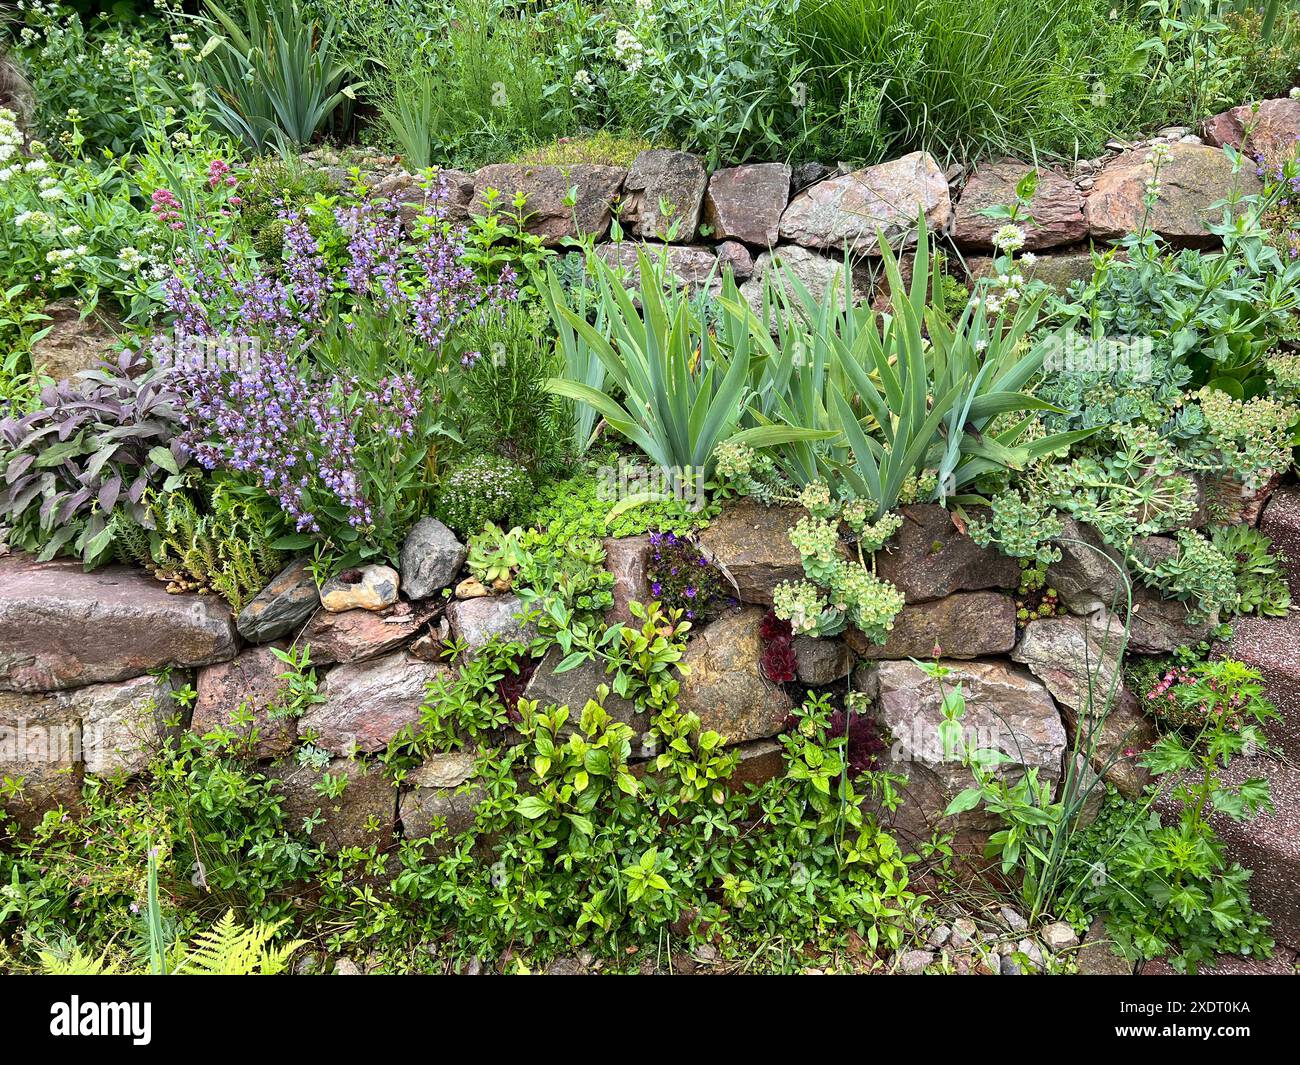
(486, 488)
(93, 448)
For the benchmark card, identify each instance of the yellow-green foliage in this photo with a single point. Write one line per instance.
(226, 949)
(223, 546)
(603, 148)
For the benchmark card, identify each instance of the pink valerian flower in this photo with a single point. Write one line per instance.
(219, 174)
(166, 208)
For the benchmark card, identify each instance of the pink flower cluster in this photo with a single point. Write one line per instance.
(167, 208)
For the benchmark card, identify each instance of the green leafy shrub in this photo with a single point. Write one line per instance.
(506, 407)
(1168, 888)
(116, 80)
(482, 489)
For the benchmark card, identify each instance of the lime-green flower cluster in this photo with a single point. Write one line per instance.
(840, 590)
(1254, 437)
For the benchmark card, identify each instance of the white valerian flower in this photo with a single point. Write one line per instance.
(36, 166)
(1295, 93)
(68, 232)
(628, 50)
(1009, 238)
(582, 79)
(129, 260)
(181, 43)
(54, 192)
(1029, 258)
(6, 173)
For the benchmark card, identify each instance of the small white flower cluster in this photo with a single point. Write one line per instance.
(37, 220)
(1157, 155)
(582, 80)
(628, 50)
(181, 43)
(1295, 93)
(1009, 238)
(11, 137)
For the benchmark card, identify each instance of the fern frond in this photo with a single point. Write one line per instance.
(230, 949)
(77, 963)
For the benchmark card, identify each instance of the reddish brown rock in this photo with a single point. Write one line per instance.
(1271, 129)
(964, 625)
(1055, 215)
(750, 543)
(74, 343)
(1006, 709)
(363, 815)
(355, 635)
(547, 187)
(745, 203)
(1193, 178)
(249, 683)
(929, 558)
(61, 627)
(724, 686)
(662, 178)
(627, 558)
(368, 703)
(851, 209)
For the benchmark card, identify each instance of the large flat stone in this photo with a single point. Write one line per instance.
(368, 703)
(1055, 215)
(962, 625)
(355, 635)
(547, 188)
(929, 558)
(1192, 179)
(1006, 709)
(61, 627)
(724, 686)
(850, 210)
